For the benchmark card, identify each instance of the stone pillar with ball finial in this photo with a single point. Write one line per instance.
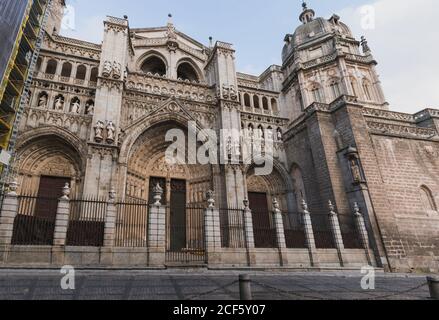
(309, 235)
(336, 232)
(110, 219)
(212, 227)
(62, 217)
(157, 229)
(8, 213)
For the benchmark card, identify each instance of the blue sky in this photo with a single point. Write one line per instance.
(403, 42)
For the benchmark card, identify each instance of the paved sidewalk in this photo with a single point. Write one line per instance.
(206, 285)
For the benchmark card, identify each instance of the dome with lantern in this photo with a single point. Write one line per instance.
(313, 28)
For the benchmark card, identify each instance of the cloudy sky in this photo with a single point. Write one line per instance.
(404, 39)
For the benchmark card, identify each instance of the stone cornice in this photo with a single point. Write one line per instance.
(280, 121)
(396, 130)
(388, 115)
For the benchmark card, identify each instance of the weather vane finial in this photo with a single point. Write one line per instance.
(304, 5)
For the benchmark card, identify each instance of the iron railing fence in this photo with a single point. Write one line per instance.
(132, 223)
(232, 228)
(349, 232)
(87, 222)
(263, 229)
(295, 237)
(34, 224)
(322, 231)
(185, 234)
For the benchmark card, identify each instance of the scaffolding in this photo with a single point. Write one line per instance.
(15, 89)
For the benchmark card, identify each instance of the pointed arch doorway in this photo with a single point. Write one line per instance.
(183, 188)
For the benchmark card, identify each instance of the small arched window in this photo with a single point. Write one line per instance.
(154, 65)
(66, 70)
(354, 86)
(81, 72)
(247, 102)
(367, 90)
(185, 71)
(317, 94)
(39, 62)
(265, 103)
(274, 105)
(256, 102)
(51, 66)
(427, 199)
(335, 89)
(94, 75)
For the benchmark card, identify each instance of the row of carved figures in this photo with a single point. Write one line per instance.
(110, 132)
(75, 104)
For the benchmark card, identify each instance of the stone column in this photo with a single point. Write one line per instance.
(157, 230)
(280, 233)
(249, 235)
(212, 229)
(362, 232)
(62, 218)
(110, 220)
(309, 235)
(336, 232)
(8, 213)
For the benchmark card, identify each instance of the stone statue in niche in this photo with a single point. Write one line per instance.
(279, 135)
(106, 72)
(355, 166)
(89, 108)
(42, 102)
(111, 130)
(116, 70)
(99, 128)
(356, 172)
(59, 103)
(76, 107)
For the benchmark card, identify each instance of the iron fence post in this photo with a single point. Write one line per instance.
(8, 213)
(245, 291)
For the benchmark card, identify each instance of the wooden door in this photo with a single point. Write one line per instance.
(264, 233)
(49, 191)
(177, 217)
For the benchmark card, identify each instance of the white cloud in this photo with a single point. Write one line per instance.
(90, 29)
(405, 43)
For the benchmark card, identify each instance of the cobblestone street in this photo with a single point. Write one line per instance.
(206, 285)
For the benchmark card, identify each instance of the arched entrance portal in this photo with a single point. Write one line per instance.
(262, 190)
(45, 164)
(184, 186)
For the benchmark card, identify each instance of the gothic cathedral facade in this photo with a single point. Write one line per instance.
(98, 116)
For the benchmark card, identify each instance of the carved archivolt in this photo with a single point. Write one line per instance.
(47, 156)
(147, 160)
